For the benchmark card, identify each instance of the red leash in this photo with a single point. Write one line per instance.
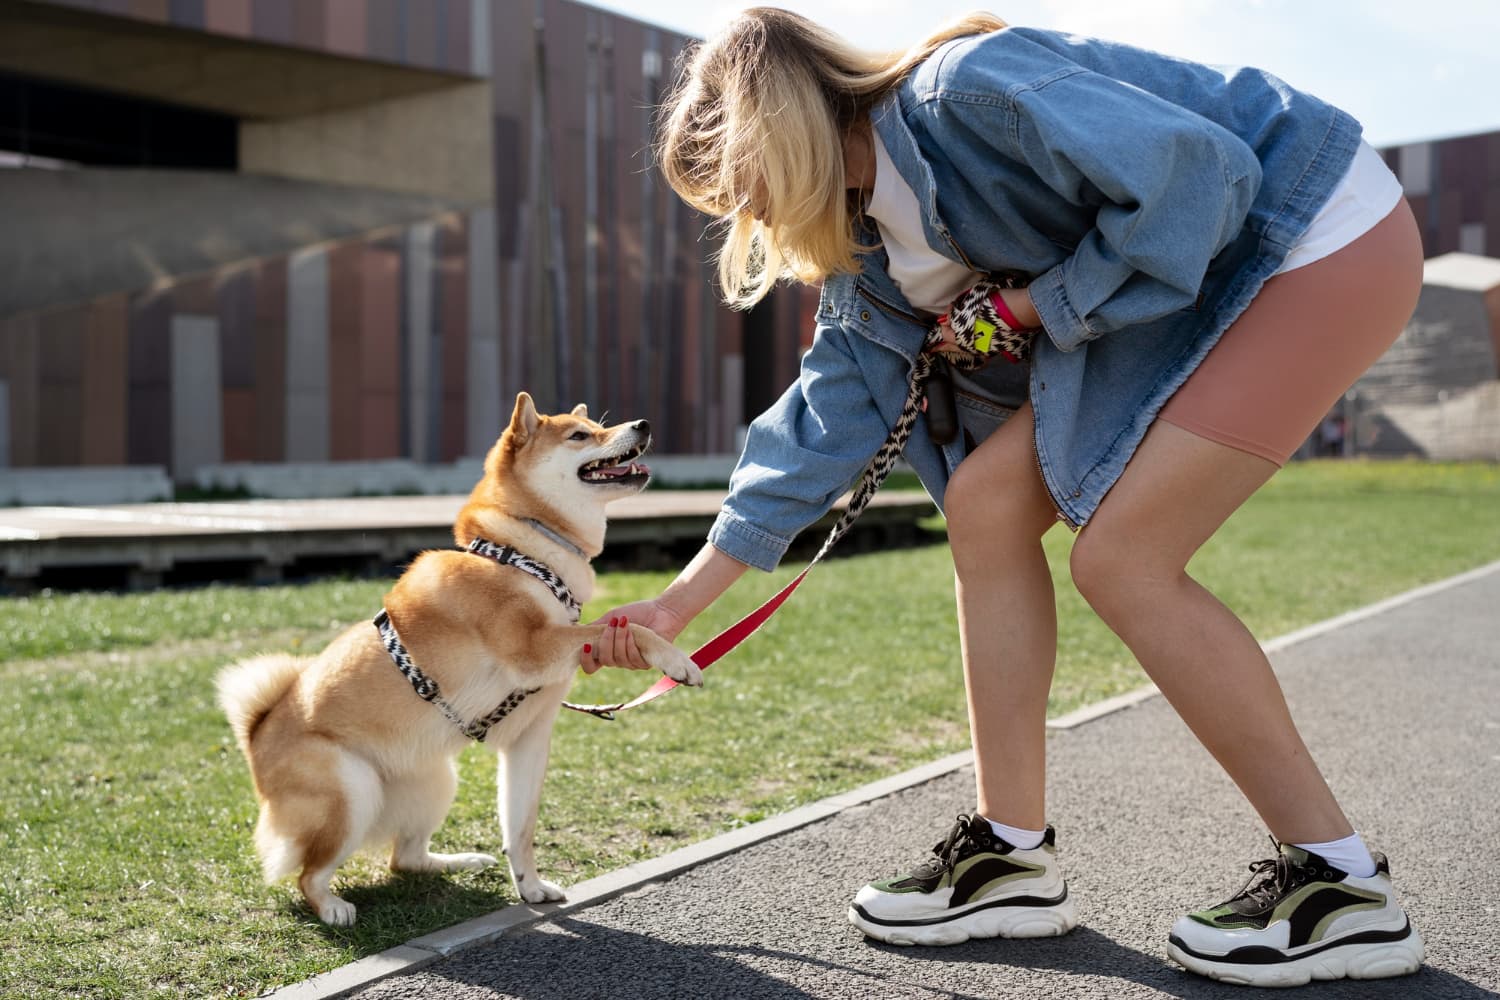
(706, 654)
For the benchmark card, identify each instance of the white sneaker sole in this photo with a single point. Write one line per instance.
(1379, 960)
(995, 921)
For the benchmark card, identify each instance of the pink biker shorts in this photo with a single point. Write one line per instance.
(1307, 336)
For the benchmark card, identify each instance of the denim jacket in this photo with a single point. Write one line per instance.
(1144, 198)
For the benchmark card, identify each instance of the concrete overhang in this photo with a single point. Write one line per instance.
(248, 79)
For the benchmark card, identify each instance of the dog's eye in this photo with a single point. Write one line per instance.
(579, 436)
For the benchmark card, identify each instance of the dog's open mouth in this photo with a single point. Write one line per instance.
(616, 469)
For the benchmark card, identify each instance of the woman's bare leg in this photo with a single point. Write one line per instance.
(1130, 563)
(997, 512)
(1308, 334)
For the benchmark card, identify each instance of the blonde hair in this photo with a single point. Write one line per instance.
(757, 119)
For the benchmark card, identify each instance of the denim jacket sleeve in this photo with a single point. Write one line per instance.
(807, 449)
(1168, 187)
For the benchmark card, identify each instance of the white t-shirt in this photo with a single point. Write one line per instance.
(930, 281)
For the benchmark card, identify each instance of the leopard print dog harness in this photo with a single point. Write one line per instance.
(427, 688)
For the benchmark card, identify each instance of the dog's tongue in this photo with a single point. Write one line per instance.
(633, 469)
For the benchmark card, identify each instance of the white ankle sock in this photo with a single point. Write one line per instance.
(1016, 837)
(1350, 854)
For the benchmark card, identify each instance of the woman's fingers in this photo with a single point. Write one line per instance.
(633, 656)
(627, 654)
(588, 656)
(617, 646)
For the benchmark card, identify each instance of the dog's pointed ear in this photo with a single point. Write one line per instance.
(581, 411)
(524, 421)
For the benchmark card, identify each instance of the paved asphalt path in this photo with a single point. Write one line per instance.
(1401, 711)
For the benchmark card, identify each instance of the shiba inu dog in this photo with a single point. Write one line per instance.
(356, 746)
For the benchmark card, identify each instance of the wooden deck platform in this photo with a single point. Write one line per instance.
(139, 546)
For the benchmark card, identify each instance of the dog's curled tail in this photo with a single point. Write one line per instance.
(248, 689)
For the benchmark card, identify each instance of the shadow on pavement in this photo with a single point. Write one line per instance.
(572, 958)
(1086, 952)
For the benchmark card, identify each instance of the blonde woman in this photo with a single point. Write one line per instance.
(1206, 259)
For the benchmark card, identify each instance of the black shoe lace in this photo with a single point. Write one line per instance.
(961, 842)
(1270, 879)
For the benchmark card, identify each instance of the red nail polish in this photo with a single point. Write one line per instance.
(588, 648)
(623, 622)
(612, 622)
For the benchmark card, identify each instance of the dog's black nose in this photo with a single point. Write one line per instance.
(644, 426)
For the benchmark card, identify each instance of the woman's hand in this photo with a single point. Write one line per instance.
(1007, 314)
(699, 584)
(616, 647)
(947, 345)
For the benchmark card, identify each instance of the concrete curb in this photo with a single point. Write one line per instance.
(429, 948)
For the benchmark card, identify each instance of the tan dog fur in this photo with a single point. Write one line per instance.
(343, 752)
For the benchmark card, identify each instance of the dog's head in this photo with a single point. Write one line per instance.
(560, 469)
(566, 459)
(569, 450)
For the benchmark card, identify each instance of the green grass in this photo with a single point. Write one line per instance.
(125, 811)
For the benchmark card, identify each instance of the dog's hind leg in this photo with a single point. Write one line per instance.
(325, 812)
(415, 806)
(523, 765)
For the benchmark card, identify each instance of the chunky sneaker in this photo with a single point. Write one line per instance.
(974, 886)
(1300, 918)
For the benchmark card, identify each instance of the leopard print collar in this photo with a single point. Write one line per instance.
(507, 556)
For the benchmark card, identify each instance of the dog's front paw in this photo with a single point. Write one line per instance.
(539, 890)
(681, 668)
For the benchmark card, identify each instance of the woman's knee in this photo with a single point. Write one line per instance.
(1113, 572)
(990, 506)
(1091, 565)
(963, 501)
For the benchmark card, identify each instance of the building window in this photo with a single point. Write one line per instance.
(43, 123)
(1471, 238)
(1415, 168)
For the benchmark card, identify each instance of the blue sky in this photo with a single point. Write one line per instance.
(1408, 71)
